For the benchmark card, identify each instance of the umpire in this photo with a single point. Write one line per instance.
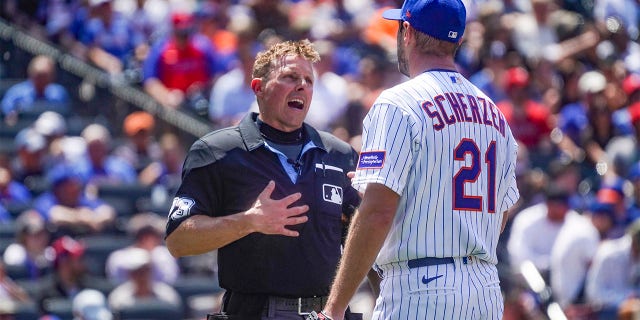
(270, 195)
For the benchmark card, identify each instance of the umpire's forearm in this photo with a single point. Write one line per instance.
(200, 234)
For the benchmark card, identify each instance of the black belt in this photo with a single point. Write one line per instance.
(301, 305)
(428, 261)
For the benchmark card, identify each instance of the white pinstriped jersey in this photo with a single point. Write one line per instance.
(443, 146)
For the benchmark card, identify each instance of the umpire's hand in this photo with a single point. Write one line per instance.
(271, 216)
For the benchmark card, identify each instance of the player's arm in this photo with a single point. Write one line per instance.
(200, 233)
(367, 233)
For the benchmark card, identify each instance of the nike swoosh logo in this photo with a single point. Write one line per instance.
(426, 280)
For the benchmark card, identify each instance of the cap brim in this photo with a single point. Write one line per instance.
(392, 14)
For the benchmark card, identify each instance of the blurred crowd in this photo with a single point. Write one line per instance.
(566, 75)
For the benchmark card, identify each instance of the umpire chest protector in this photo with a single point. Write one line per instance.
(224, 173)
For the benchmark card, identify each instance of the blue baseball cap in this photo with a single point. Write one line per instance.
(442, 19)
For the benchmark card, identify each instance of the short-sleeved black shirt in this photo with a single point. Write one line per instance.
(223, 174)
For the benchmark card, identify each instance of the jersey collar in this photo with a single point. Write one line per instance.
(253, 139)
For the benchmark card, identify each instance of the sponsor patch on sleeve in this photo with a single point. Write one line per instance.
(371, 160)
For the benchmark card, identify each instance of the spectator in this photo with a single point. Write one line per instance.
(181, 67)
(634, 206)
(67, 207)
(13, 194)
(603, 218)
(611, 191)
(140, 285)
(613, 277)
(579, 138)
(619, 46)
(489, 79)
(570, 259)
(623, 116)
(529, 119)
(69, 275)
(51, 125)
(330, 91)
(140, 149)
(90, 304)
(231, 95)
(101, 167)
(535, 230)
(167, 172)
(109, 37)
(566, 174)
(40, 87)
(533, 34)
(28, 167)
(147, 17)
(147, 230)
(272, 16)
(625, 10)
(213, 22)
(30, 251)
(373, 79)
(623, 149)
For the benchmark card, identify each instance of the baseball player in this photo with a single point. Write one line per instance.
(437, 172)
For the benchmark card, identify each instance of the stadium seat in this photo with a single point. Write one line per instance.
(130, 198)
(26, 311)
(32, 287)
(192, 287)
(60, 307)
(7, 235)
(7, 230)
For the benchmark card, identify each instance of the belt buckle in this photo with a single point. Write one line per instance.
(300, 308)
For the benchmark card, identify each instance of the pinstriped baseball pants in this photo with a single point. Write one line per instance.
(449, 291)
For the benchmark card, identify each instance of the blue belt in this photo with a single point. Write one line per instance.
(428, 261)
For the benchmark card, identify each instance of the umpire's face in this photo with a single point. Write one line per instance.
(285, 94)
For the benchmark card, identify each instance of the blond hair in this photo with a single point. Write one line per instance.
(265, 60)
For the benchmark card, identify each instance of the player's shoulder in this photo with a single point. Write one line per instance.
(213, 146)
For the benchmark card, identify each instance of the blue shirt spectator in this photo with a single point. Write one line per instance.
(114, 34)
(38, 88)
(67, 207)
(14, 193)
(100, 166)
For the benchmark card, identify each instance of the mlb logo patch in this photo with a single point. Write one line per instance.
(331, 193)
(181, 207)
(453, 34)
(371, 160)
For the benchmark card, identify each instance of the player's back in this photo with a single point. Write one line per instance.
(454, 159)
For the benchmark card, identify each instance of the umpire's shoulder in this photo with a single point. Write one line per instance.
(213, 146)
(333, 143)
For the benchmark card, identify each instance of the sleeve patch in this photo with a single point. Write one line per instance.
(181, 208)
(371, 160)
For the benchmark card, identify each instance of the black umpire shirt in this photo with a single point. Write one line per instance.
(224, 173)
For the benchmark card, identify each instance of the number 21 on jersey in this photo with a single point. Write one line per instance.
(470, 173)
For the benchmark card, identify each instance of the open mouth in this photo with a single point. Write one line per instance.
(296, 103)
